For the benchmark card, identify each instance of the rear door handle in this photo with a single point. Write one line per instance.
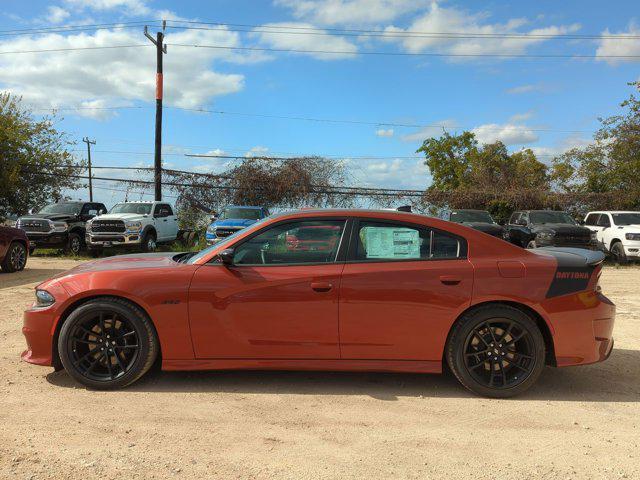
(450, 279)
(321, 286)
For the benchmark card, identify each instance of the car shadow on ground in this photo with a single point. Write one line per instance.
(27, 276)
(616, 380)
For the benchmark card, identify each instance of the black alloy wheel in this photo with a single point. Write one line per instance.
(74, 244)
(15, 259)
(496, 351)
(107, 343)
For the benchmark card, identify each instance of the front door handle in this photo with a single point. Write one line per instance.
(321, 286)
(450, 279)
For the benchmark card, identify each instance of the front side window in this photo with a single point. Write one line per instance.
(604, 221)
(388, 241)
(311, 241)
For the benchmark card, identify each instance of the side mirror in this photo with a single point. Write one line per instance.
(102, 211)
(213, 217)
(226, 256)
(31, 211)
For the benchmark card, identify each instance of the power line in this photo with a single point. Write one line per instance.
(73, 28)
(286, 30)
(402, 54)
(71, 49)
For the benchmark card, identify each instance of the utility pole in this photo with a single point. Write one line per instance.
(89, 143)
(160, 50)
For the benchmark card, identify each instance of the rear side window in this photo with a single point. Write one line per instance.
(592, 219)
(389, 241)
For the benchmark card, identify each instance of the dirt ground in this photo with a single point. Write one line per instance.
(580, 422)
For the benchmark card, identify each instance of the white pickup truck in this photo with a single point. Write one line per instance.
(617, 233)
(140, 225)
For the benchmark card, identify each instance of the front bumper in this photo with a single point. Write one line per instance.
(632, 248)
(106, 240)
(38, 331)
(48, 240)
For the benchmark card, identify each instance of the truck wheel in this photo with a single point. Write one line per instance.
(619, 255)
(74, 244)
(15, 258)
(148, 242)
(531, 244)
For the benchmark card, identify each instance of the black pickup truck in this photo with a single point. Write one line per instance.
(478, 220)
(547, 228)
(60, 225)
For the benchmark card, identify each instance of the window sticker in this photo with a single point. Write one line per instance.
(390, 242)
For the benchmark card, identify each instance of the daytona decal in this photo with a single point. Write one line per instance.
(568, 280)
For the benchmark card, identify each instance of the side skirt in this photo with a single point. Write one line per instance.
(409, 366)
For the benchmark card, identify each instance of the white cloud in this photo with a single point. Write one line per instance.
(520, 89)
(117, 76)
(257, 151)
(56, 14)
(130, 7)
(427, 132)
(297, 41)
(613, 46)
(345, 12)
(395, 173)
(521, 117)
(547, 153)
(509, 134)
(381, 132)
(439, 19)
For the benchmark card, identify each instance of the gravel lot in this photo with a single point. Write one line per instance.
(581, 422)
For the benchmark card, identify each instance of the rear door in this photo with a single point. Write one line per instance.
(402, 287)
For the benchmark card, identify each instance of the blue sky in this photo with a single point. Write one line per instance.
(548, 104)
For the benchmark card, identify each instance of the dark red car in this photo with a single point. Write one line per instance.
(397, 292)
(14, 246)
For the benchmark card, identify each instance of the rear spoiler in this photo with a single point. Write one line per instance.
(577, 270)
(573, 257)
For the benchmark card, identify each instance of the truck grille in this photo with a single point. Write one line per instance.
(109, 226)
(222, 232)
(574, 239)
(34, 225)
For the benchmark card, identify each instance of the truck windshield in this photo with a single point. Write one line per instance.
(240, 213)
(62, 208)
(551, 217)
(479, 216)
(139, 208)
(626, 218)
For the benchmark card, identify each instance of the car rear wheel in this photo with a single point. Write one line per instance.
(15, 259)
(619, 255)
(107, 343)
(496, 351)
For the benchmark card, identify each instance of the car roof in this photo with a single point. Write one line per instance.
(613, 211)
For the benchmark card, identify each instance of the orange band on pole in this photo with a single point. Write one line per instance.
(158, 86)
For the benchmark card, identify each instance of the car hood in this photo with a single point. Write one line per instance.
(561, 228)
(234, 222)
(121, 216)
(635, 228)
(57, 217)
(124, 262)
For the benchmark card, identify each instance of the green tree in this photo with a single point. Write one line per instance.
(611, 164)
(34, 161)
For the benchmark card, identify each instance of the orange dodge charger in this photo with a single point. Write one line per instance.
(375, 291)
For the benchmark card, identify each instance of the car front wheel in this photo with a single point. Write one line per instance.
(107, 343)
(496, 351)
(619, 255)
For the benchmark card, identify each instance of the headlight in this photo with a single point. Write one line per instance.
(59, 226)
(545, 235)
(632, 236)
(133, 226)
(87, 226)
(44, 298)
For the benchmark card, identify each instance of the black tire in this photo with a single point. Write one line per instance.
(618, 253)
(531, 244)
(114, 360)
(15, 259)
(514, 332)
(148, 241)
(74, 245)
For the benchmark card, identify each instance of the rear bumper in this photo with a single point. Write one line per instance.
(583, 327)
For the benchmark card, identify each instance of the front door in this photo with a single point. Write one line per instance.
(278, 300)
(402, 288)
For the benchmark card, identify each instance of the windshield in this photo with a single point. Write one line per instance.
(139, 208)
(240, 213)
(478, 216)
(62, 208)
(626, 218)
(226, 241)
(551, 217)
